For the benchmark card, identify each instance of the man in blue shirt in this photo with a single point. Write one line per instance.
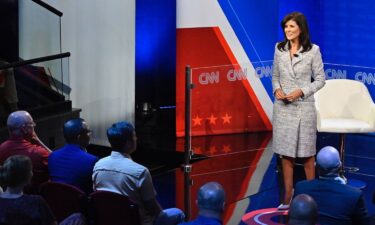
(72, 164)
(211, 200)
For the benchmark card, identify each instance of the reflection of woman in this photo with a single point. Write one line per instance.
(297, 74)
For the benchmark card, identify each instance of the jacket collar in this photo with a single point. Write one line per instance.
(294, 60)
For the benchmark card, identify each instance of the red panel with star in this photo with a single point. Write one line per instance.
(222, 100)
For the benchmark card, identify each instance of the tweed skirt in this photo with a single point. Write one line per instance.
(294, 129)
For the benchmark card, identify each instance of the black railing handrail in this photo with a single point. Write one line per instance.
(35, 60)
(48, 7)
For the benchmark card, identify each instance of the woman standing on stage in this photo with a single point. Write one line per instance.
(297, 74)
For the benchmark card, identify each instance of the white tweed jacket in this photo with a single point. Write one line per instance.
(294, 124)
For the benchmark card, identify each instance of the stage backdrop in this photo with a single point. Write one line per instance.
(229, 46)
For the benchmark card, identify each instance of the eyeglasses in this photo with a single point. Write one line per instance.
(29, 124)
(88, 131)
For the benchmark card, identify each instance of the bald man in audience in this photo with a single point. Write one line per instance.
(303, 211)
(338, 203)
(211, 201)
(24, 141)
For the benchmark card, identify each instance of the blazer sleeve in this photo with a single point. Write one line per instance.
(317, 74)
(275, 71)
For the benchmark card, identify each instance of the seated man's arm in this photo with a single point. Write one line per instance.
(148, 194)
(153, 206)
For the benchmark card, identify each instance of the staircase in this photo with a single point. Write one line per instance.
(42, 83)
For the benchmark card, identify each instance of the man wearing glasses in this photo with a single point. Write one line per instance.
(72, 164)
(24, 141)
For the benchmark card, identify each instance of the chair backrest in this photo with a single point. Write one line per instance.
(342, 98)
(63, 199)
(109, 208)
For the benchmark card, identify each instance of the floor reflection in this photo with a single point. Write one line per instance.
(247, 168)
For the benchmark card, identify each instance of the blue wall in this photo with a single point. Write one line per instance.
(345, 32)
(155, 52)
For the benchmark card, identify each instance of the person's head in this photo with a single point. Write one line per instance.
(295, 28)
(303, 211)
(211, 200)
(76, 131)
(16, 171)
(328, 161)
(121, 136)
(21, 124)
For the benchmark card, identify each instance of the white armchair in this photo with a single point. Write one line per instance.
(344, 106)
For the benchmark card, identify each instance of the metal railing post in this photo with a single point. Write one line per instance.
(188, 152)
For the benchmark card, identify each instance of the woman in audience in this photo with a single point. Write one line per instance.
(15, 207)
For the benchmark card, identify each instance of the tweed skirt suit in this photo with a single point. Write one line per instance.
(294, 124)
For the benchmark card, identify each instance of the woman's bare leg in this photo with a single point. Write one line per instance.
(288, 168)
(309, 166)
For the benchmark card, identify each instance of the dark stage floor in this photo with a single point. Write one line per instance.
(245, 165)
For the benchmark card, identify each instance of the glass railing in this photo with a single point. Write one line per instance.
(39, 29)
(229, 99)
(37, 82)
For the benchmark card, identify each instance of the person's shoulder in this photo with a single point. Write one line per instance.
(4, 143)
(305, 183)
(4, 147)
(33, 198)
(103, 160)
(137, 168)
(56, 152)
(86, 155)
(38, 149)
(314, 48)
(351, 190)
(91, 157)
(277, 46)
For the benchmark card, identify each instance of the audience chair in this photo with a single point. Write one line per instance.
(109, 208)
(344, 106)
(63, 199)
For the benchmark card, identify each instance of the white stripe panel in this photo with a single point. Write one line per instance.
(253, 186)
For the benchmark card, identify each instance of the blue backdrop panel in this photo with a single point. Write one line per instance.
(155, 52)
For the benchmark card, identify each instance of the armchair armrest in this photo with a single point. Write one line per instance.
(371, 116)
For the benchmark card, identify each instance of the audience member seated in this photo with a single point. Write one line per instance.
(17, 208)
(72, 164)
(211, 200)
(338, 203)
(24, 141)
(20, 209)
(303, 211)
(120, 174)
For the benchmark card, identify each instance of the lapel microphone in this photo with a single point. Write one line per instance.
(295, 55)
